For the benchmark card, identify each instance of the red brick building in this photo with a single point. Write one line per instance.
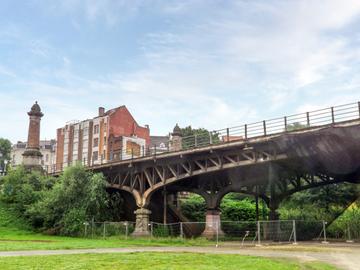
(111, 135)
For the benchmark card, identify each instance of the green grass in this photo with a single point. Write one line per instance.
(153, 260)
(15, 234)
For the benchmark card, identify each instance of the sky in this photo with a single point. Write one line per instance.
(204, 63)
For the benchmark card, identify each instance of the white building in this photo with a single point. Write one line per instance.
(47, 149)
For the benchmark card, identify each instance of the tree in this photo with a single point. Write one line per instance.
(78, 196)
(192, 137)
(295, 126)
(5, 149)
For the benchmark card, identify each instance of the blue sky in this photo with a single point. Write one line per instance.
(203, 63)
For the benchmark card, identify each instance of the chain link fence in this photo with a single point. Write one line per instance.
(108, 229)
(239, 232)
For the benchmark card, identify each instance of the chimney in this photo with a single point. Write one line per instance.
(101, 111)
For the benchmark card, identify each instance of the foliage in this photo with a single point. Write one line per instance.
(322, 203)
(5, 149)
(348, 224)
(57, 205)
(238, 210)
(194, 208)
(200, 136)
(295, 126)
(77, 195)
(234, 207)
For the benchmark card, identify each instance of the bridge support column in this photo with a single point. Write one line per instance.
(213, 224)
(142, 222)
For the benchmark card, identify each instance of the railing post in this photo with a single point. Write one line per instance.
(104, 231)
(181, 230)
(227, 134)
(258, 233)
(195, 140)
(308, 119)
(285, 123)
(143, 150)
(154, 150)
(264, 125)
(359, 108)
(332, 115)
(126, 229)
(132, 153)
(324, 230)
(294, 230)
(245, 131)
(210, 137)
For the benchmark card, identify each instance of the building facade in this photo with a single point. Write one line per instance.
(111, 135)
(47, 149)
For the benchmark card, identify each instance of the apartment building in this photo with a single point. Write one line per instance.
(110, 135)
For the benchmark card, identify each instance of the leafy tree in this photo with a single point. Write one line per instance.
(325, 202)
(77, 196)
(194, 208)
(197, 137)
(295, 126)
(5, 149)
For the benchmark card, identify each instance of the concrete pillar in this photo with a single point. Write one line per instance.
(142, 222)
(213, 224)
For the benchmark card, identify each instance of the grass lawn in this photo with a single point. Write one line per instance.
(156, 261)
(16, 235)
(13, 239)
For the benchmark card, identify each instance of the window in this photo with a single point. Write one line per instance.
(96, 129)
(46, 157)
(96, 142)
(95, 155)
(105, 140)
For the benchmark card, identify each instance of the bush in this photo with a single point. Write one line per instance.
(59, 205)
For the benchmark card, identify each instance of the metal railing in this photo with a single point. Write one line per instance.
(295, 122)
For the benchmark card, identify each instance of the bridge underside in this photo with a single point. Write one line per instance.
(271, 168)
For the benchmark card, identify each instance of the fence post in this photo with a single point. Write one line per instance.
(104, 230)
(245, 131)
(92, 227)
(285, 123)
(294, 230)
(308, 119)
(359, 108)
(211, 139)
(217, 232)
(195, 140)
(151, 228)
(349, 240)
(227, 134)
(258, 233)
(126, 229)
(181, 231)
(332, 115)
(264, 126)
(324, 230)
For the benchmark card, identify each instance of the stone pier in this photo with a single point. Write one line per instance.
(213, 224)
(142, 227)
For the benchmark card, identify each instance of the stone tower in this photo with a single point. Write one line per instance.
(176, 140)
(32, 155)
